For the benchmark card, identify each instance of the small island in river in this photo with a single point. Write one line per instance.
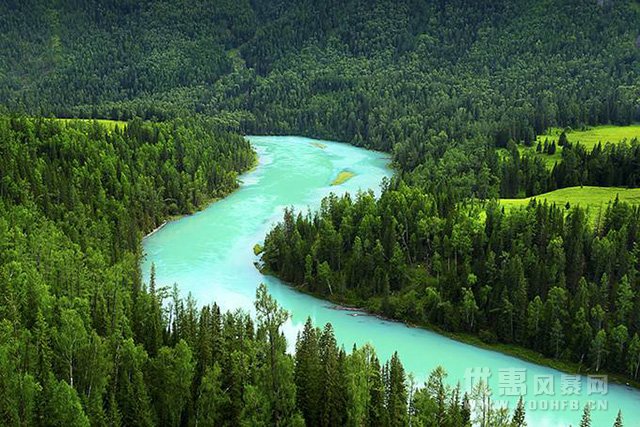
(343, 177)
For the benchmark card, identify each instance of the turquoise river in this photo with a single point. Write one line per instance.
(210, 255)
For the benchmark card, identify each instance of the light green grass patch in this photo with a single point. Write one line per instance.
(109, 124)
(593, 198)
(343, 177)
(590, 137)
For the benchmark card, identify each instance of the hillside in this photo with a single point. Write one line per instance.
(458, 92)
(377, 73)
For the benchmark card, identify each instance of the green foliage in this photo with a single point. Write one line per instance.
(63, 406)
(523, 173)
(76, 197)
(561, 285)
(382, 74)
(84, 342)
(440, 85)
(211, 400)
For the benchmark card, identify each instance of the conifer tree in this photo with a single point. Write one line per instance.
(618, 422)
(308, 374)
(396, 392)
(332, 401)
(518, 419)
(585, 421)
(377, 413)
(211, 401)
(562, 140)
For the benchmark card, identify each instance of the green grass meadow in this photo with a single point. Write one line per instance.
(593, 198)
(588, 138)
(109, 124)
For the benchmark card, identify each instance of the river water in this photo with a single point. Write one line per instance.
(210, 255)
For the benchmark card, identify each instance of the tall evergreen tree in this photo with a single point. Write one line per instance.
(518, 419)
(396, 392)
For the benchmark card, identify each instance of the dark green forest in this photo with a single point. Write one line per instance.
(383, 74)
(439, 84)
(451, 89)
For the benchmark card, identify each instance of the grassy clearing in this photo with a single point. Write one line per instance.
(588, 138)
(343, 177)
(109, 124)
(593, 198)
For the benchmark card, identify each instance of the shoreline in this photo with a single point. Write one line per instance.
(155, 230)
(521, 353)
(210, 201)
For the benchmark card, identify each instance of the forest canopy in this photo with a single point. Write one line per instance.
(377, 73)
(459, 93)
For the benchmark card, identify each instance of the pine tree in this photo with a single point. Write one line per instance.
(586, 416)
(63, 406)
(466, 409)
(377, 414)
(357, 372)
(308, 374)
(211, 399)
(132, 396)
(562, 140)
(618, 422)
(556, 337)
(151, 317)
(271, 317)
(172, 371)
(518, 419)
(396, 392)
(332, 401)
(438, 392)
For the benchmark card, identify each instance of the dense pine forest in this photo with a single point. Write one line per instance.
(539, 277)
(385, 74)
(455, 91)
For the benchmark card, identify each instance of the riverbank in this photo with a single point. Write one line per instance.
(513, 350)
(207, 202)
